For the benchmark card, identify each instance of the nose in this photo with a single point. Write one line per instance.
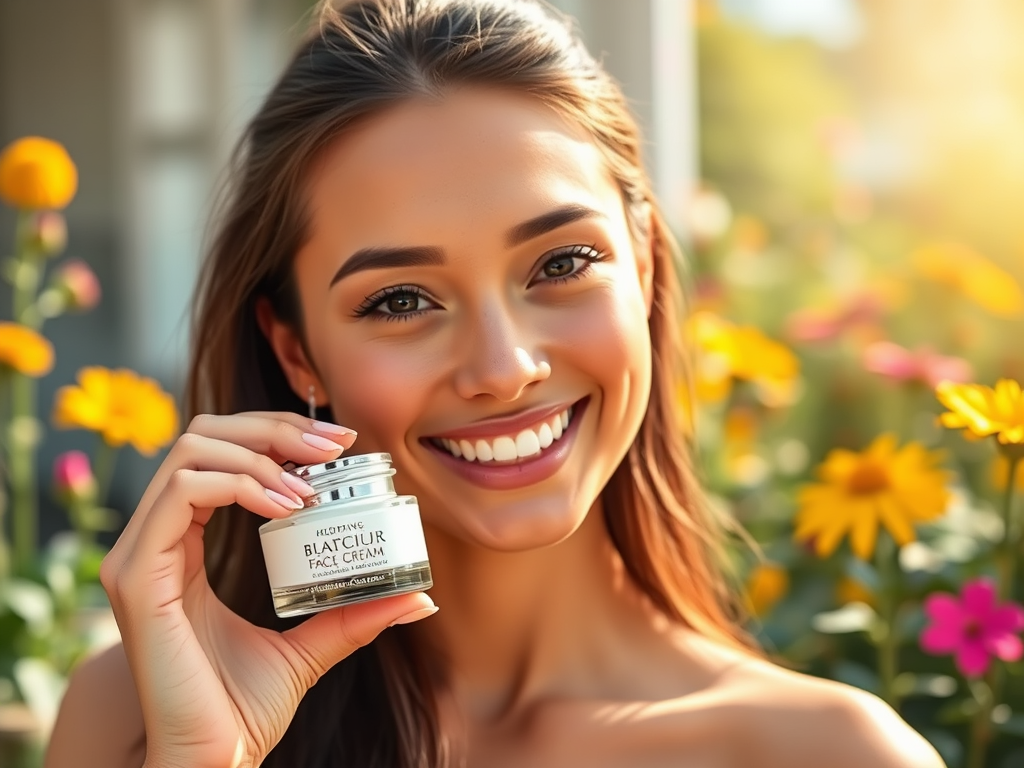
(499, 358)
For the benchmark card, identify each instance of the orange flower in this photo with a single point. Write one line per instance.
(120, 405)
(37, 173)
(884, 485)
(24, 350)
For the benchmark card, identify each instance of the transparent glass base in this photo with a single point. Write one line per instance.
(357, 588)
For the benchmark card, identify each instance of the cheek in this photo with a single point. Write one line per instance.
(379, 389)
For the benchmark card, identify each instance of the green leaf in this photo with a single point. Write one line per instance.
(41, 685)
(32, 602)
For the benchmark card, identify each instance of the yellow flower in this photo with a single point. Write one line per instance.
(970, 273)
(37, 173)
(766, 585)
(984, 411)
(122, 406)
(894, 487)
(727, 352)
(24, 350)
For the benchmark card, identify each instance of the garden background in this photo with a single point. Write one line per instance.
(847, 177)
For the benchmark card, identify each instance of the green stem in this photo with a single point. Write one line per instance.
(1007, 546)
(103, 470)
(23, 429)
(981, 724)
(888, 603)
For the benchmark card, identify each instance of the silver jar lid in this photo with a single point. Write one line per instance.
(348, 478)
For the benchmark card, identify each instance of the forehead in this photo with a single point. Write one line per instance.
(472, 158)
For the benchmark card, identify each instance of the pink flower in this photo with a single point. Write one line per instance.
(72, 477)
(920, 365)
(48, 233)
(825, 324)
(973, 627)
(79, 284)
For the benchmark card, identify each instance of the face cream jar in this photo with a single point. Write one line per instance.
(354, 540)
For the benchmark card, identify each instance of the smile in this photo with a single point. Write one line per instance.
(514, 454)
(511, 447)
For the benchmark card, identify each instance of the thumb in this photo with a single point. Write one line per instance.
(328, 637)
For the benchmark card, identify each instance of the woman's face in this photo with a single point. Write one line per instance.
(469, 278)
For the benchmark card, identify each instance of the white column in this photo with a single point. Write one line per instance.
(648, 47)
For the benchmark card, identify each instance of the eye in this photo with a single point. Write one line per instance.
(396, 302)
(569, 263)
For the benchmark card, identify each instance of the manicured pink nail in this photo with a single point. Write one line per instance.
(333, 429)
(297, 484)
(409, 618)
(321, 442)
(283, 500)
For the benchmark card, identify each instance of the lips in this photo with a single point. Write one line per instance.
(521, 471)
(510, 446)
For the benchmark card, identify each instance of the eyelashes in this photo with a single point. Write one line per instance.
(404, 302)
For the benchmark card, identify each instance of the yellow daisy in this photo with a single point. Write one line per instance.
(121, 406)
(894, 487)
(984, 411)
(24, 350)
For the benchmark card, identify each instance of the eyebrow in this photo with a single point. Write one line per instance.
(382, 257)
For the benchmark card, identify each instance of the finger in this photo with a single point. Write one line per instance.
(190, 497)
(282, 436)
(326, 638)
(200, 453)
(277, 436)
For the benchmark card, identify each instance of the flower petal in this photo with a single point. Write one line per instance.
(972, 659)
(944, 608)
(978, 598)
(1006, 647)
(939, 639)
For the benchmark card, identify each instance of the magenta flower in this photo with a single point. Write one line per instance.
(921, 365)
(72, 477)
(974, 627)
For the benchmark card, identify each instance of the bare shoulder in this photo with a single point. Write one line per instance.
(100, 721)
(795, 720)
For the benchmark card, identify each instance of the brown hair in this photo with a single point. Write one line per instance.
(377, 708)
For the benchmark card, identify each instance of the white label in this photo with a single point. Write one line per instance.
(344, 546)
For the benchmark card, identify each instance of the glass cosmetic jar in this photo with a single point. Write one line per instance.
(354, 540)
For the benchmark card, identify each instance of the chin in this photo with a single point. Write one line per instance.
(517, 527)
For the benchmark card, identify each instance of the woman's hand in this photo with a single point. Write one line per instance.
(216, 690)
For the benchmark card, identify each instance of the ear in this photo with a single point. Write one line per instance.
(644, 249)
(290, 353)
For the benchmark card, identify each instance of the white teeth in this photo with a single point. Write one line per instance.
(504, 449)
(544, 436)
(527, 442)
(484, 451)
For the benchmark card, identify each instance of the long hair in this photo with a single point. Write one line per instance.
(377, 708)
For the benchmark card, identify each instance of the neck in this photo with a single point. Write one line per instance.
(517, 628)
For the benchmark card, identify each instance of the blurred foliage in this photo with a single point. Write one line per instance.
(860, 206)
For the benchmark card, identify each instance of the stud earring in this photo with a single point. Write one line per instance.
(311, 400)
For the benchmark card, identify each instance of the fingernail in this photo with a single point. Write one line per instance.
(297, 484)
(409, 618)
(321, 442)
(334, 429)
(283, 500)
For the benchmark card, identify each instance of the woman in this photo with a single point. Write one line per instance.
(440, 231)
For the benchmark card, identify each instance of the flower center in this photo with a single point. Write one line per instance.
(972, 629)
(869, 477)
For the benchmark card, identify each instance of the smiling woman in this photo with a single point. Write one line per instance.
(439, 233)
